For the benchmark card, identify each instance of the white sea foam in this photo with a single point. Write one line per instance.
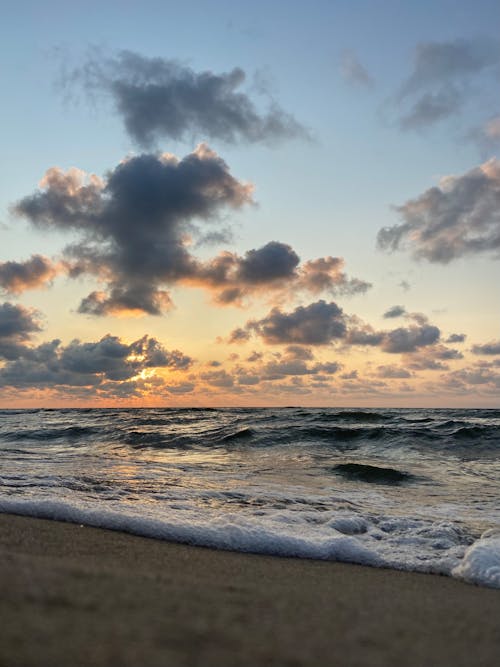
(481, 562)
(405, 544)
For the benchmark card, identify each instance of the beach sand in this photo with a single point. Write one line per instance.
(73, 595)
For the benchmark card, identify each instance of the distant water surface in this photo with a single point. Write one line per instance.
(407, 489)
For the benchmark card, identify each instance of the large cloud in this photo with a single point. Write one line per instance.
(17, 325)
(460, 217)
(440, 83)
(164, 98)
(89, 364)
(135, 228)
(134, 225)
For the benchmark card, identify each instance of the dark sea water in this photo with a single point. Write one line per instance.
(407, 489)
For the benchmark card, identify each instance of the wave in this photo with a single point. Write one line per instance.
(478, 431)
(361, 416)
(47, 434)
(364, 472)
(242, 434)
(142, 439)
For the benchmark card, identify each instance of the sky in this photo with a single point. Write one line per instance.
(250, 204)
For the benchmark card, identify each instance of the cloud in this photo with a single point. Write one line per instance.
(17, 325)
(475, 376)
(16, 277)
(159, 98)
(432, 357)
(491, 348)
(487, 136)
(275, 267)
(430, 108)
(326, 274)
(133, 226)
(408, 339)
(316, 324)
(442, 77)
(322, 323)
(90, 364)
(392, 372)
(460, 217)
(231, 277)
(456, 338)
(134, 231)
(218, 378)
(353, 71)
(395, 311)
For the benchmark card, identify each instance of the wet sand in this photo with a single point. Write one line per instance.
(73, 595)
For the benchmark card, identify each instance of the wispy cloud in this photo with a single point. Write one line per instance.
(442, 79)
(353, 72)
(160, 98)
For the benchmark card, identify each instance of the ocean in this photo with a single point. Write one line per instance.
(410, 489)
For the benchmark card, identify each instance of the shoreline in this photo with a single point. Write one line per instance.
(90, 596)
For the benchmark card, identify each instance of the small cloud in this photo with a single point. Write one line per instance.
(455, 338)
(491, 348)
(392, 372)
(395, 311)
(353, 71)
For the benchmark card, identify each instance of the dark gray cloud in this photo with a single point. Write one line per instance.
(395, 311)
(456, 338)
(408, 339)
(135, 230)
(232, 277)
(159, 98)
(274, 266)
(322, 323)
(16, 277)
(17, 325)
(442, 79)
(133, 226)
(396, 341)
(91, 364)
(491, 348)
(318, 323)
(460, 217)
(353, 71)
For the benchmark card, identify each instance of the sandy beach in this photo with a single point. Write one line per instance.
(74, 595)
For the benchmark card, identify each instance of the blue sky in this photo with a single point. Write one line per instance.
(389, 98)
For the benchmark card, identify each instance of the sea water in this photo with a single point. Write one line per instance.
(407, 489)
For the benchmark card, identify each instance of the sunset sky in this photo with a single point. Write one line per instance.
(267, 203)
